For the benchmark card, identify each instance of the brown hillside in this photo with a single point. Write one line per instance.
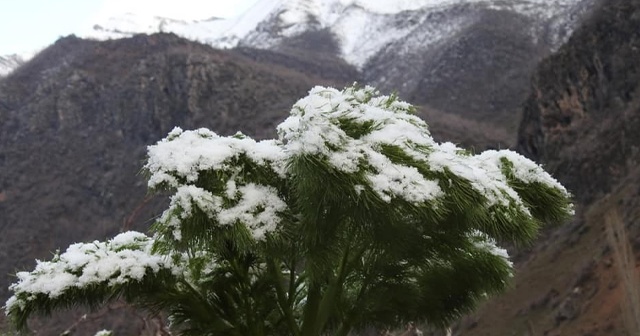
(581, 121)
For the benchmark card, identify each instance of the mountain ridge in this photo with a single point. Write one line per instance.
(580, 120)
(351, 22)
(10, 62)
(269, 21)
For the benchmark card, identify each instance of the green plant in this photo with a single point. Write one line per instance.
(352, 217)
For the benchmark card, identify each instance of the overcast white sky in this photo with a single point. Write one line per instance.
(27, 25)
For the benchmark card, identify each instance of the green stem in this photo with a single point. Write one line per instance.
(333, 292)
(203, 314)
(356, 310)
(311, 309)
(283, 301)
(240, 267)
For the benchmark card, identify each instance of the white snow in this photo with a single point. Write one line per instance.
(104, 333)
(488, 180)
(314, 129)
(362, 28)
(178, 160)
(486, 243)
(181, 207)
(8, 63)
(258, 208)
(221, 33)
(127, 257)
(184, 153)
(523, 168)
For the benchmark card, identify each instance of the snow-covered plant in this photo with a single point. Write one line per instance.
(354, 216)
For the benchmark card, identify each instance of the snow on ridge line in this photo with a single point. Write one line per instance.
(8, 63)
(293, 12)
(221, 33)
(351, 21)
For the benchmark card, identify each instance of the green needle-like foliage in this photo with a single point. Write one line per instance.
(352, 217)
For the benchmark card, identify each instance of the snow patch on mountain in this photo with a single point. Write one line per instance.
(382, 30)
(130, 24)
(362, 28)
(8, 63)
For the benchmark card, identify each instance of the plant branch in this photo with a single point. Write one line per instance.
(283, 301)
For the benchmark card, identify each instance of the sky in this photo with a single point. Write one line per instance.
(29, 25)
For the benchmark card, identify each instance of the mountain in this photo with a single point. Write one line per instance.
(473, 58)
(580, 120)
(469, 57)
(10, 62)
(588, 91)
(361, 28)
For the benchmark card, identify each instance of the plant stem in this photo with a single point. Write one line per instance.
(311, 309)
(283, 301)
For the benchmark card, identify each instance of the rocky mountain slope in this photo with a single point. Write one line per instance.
(581, 121)
(473, 58)
(469, 57)
(587, 91)
(361, 29)
(9, 62)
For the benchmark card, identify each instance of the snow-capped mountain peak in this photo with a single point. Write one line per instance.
(360, 28)
(364, 27)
